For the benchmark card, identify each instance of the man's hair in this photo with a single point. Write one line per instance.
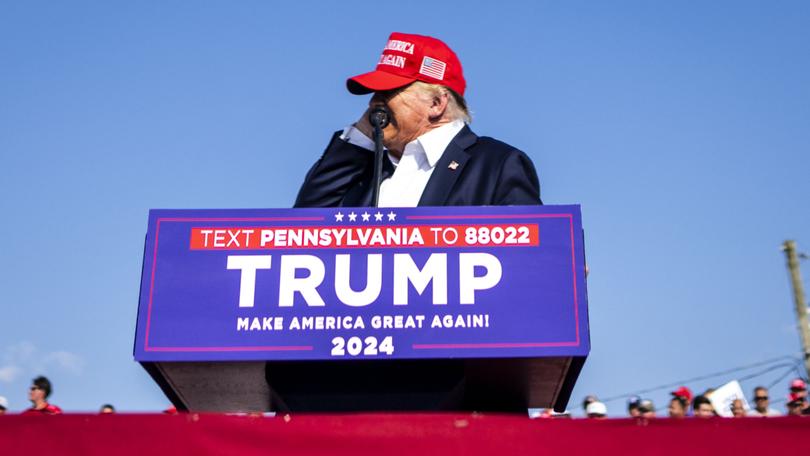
(760, 388)
(700, 400)
(456, 105)
(44, 384)
(681, 400)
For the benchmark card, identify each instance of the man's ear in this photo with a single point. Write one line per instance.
(438, 106)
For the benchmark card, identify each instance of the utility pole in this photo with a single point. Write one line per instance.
(789, 247)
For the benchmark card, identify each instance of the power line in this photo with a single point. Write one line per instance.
(793, 368)
(703, 377)
(797, 369)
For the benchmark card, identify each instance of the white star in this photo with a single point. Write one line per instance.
(378, 217)
(352, 216)
(392, 216)
(338, 217)
(366, 216)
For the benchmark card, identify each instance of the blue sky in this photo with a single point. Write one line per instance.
(680, 127)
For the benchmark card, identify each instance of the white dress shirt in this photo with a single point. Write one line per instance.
(413, 170)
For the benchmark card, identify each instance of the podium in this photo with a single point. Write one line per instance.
(364, 309)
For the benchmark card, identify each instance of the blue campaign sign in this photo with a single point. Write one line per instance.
(363, 283)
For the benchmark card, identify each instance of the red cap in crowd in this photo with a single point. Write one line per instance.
(798, 385)
(683, 392)
(407, 58)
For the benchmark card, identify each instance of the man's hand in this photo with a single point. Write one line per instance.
(364, 125)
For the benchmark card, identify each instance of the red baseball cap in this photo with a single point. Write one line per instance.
(798, 385)
(683, 392)
(407, 58)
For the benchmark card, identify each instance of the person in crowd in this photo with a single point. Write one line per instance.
(106, 409)
(685, 394)
(632, 406)
(737, 408)
(588, 400)
(795, 404)
(798, 387)
(761, 403)
(3, 405)
(678, 407)
(702, 407)
(646, 408)
(804, 403)
(596, 410)
(38, 394)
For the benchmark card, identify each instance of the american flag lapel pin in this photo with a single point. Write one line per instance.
(453, 165)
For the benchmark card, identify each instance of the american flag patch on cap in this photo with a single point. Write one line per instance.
(433, 68)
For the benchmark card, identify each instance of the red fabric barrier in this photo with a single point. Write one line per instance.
(393, 434)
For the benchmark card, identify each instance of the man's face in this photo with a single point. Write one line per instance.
(761, 400)
(794, 408)
(676, 409)
(737, 409)
(410, 115)
(704, 411)
(35, 394)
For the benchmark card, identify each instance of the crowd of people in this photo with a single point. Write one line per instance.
(683, 403)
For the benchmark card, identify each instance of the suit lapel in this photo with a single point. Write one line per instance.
(448, 169)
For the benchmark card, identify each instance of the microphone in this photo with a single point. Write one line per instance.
(379, 117)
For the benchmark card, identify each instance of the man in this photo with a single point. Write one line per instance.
(588, 400)
(107, 409)
(596, 410)
(633, 402)
(433, 158)
(761, 403)
(798, 388)
(679, 404)
(646, 409)
(737, 408)
(3, 405)
(678, 407)
(38, 395)
(795, 404)
(702, 407)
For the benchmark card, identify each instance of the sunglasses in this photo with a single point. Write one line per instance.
(761, 398)
(34, 388)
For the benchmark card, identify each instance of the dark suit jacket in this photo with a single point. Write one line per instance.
(488, 173)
